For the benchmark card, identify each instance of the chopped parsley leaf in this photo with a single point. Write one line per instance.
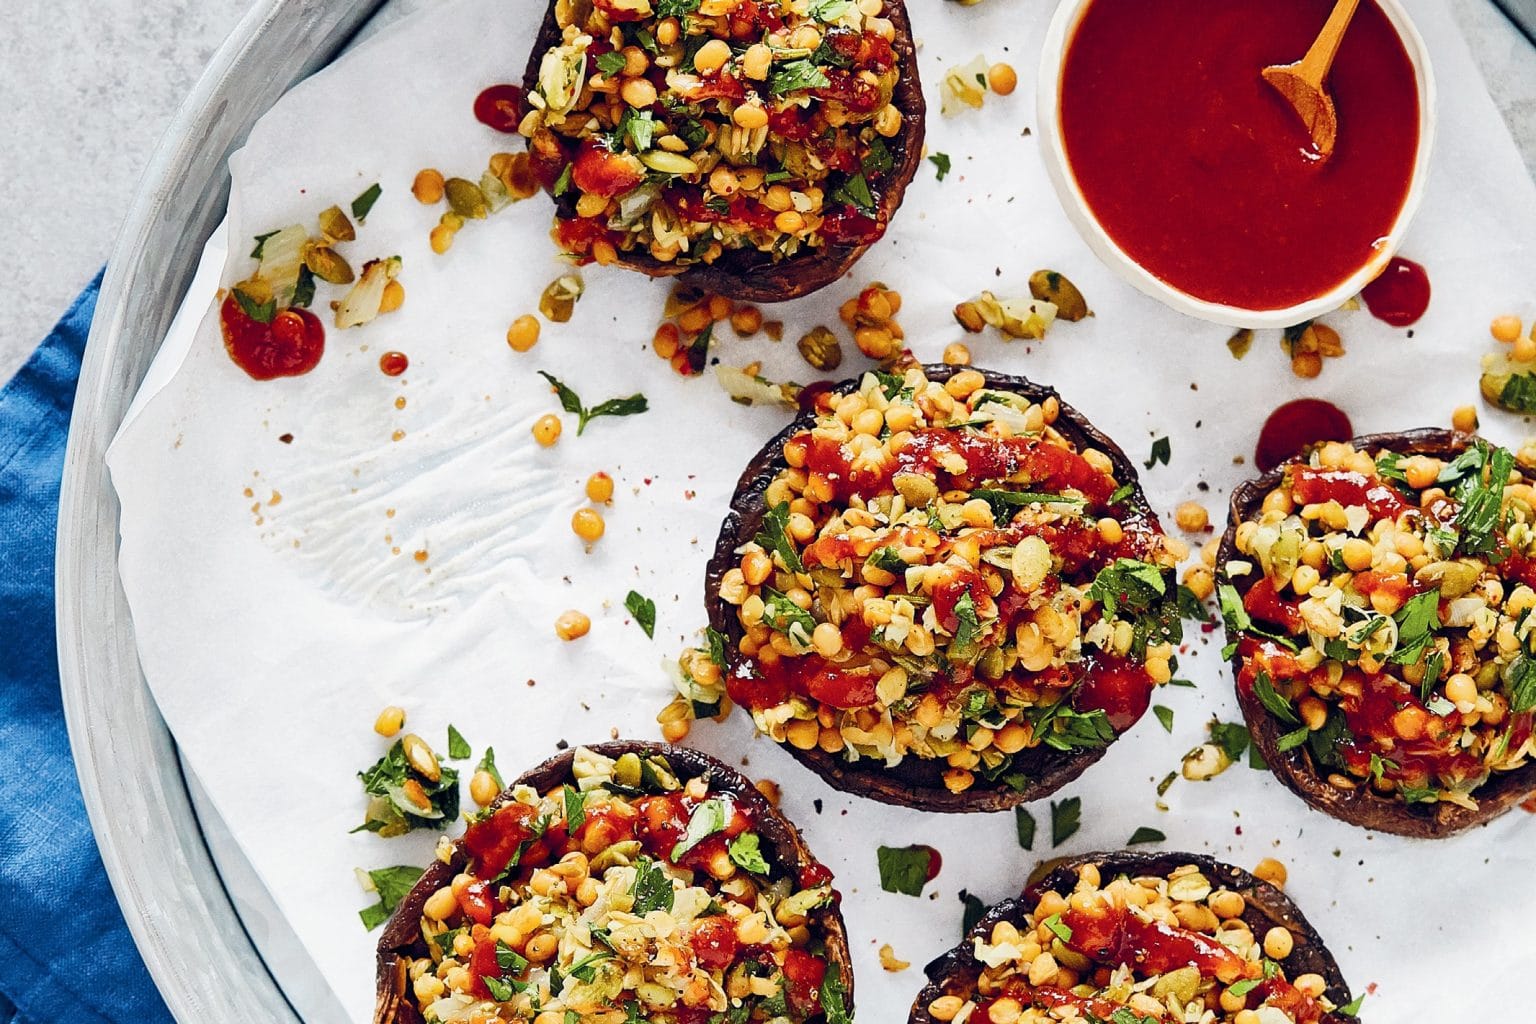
(1058, 927)
(746, 853)
(610, 63)
(1275, 704)
(774, 537)
(940, 163)
(1162, 451)
(458, 746)
(1066, 818)
(1143, 834)
(364, 203)
(904, 869)
(392, 885)
(261, 312)
(1164, 715)
(707, 819)
(855, 192)
(644, 611)
(796, 75)
(1024, 822)
(570, 402)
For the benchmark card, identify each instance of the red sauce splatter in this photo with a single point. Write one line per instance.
(1115, 936)
(492, 842)
(1264, 603)
(1400, 295)
(500, 107)
(714, 942)
(1314, 486)
(600, 172)
(1121, 688)
(1294, 426)
(290, 346)
(814, 874)
(803, 974)
(1044, 465)
(1165, 100)
(393, 364)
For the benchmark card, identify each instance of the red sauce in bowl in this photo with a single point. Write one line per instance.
(1200, 172)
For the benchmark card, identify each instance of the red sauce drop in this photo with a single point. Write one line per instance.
(1294, 426)
(500, 107)
(803, 974)
(290, 346)
(1203, 175)
(1121, 688)
(1400, 295)
(1263, 602)
(393, 364)
(492, 842)
(714, 942)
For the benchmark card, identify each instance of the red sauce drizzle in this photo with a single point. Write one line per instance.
(1118, 686)
(1296, 425)
(1116, 936)
(393, 364)
(1202, 173)
(1400, 295)
(1046, 466)
(500, 107)
(290, 346)
(1314, 486)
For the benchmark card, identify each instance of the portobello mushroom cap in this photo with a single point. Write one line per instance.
(783, 847)
(1296, 768)
(955, 972)
(750, 275)
(915, 782)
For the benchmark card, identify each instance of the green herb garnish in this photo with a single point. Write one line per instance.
(941, 165)
(363, 203)
(644, 611)
(904, 869)
(631, 406)
(1066, 818)
(392, 886)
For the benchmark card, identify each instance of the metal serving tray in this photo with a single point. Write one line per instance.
(197, 913)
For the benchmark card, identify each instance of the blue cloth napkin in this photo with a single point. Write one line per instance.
(65, 953)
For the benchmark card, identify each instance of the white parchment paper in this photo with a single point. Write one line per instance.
(275, 616)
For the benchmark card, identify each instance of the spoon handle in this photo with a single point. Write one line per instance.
(1315, 65)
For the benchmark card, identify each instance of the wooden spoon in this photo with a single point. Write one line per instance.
(1301, 83)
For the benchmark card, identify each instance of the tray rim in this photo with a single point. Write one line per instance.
(173, 898)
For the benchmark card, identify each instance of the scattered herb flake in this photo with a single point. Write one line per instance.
(746, 853)
(570, 402)
(364, 203)
(458, 746)
(1025, 823)
(392, 885)
(1164, 715)
(904, 869)
(1143, 834)
(644, 611)
(940, 163)
(1162, 451)
(1058, 927)
(1066, 818)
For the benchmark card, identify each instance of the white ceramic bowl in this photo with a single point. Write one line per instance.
(1048, 98)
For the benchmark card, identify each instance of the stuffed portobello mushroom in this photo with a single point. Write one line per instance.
(619, 882)
(942, 589)
(1378, 596)
(757, 147)
(1128, 938)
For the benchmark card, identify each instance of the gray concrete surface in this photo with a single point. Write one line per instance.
(87, 87)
